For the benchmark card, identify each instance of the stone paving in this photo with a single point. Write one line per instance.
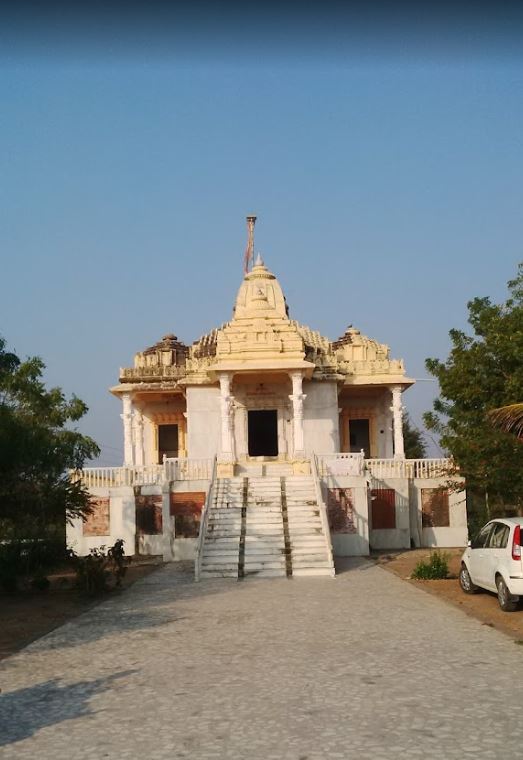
(363, 666)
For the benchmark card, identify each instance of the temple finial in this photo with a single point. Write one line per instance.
(259, 261)
(249, 251)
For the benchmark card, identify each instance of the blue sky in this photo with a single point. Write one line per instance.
(387, 187)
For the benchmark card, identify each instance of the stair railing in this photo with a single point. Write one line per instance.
(203, 523)
(323, 511)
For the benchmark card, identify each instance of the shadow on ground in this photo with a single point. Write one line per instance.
(350, 564)
(164, 597)
(26, 711)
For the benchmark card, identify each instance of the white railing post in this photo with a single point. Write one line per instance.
(203, 523)
(323, 512)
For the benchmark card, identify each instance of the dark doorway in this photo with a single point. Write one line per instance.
(167, 441)
(263, 433)
(359, 436)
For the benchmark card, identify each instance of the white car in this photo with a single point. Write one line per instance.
(493, 561)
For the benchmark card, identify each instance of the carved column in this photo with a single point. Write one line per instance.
(297, 398)
(227, 417)
(138, 437)
(397, 421)
(127, 418)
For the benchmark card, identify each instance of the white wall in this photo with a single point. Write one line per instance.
(203, 422)
(399, 537)
(351, 544)
(175, 549)
(122, 523)
(456, 534)
(321, 417)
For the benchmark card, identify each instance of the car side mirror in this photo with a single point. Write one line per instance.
(469, 543)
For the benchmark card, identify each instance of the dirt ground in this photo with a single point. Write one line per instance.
(483, 605)
(26, 615)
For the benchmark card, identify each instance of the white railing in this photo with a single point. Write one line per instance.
(340, 464)
(102, 477)
(147, 474)
(409, 468)
(354, 464)
(204, 519)
(323, 510)
(432, 468)
(182, 468)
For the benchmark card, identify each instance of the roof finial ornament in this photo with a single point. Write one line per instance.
(249, 251)
(259, 261)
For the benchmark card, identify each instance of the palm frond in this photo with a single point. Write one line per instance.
(508, 418)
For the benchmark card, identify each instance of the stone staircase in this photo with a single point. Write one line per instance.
(265, 526)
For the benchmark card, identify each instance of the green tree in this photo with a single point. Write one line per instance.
(482, 372)
(413, 441)
(38, 447)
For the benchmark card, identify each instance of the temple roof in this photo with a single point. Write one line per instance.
(261, 336)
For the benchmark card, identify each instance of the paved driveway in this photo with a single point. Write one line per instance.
(363, 666)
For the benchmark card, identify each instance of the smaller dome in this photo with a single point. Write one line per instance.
(260, 294)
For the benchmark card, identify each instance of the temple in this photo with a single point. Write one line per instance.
(264, 448)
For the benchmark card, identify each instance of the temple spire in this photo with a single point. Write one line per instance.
(249, 251)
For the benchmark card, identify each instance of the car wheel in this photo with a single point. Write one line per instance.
(506, 601)
(465, 582)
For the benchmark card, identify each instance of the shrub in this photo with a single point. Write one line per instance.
(118, 561)
(435, 568)
(22, 557)
(94, 571)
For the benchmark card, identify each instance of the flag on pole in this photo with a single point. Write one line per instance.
(249, 250)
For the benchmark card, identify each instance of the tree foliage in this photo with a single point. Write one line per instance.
(413, 440)
(482, 372)
(38, 447)
(509, 418)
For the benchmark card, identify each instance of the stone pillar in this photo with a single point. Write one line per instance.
(227, 418)
(138, 438)
(127, 417)
(397, 421)
(297, 398)
(182, 444)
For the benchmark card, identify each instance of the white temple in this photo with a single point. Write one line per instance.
(265, 448)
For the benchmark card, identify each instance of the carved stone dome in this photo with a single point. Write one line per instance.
(260, 295)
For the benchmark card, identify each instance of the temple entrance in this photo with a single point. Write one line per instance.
(167, 441)
(359, 436)
(263, 433)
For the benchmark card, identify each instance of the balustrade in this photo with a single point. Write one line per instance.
(349, 464)
(149, 474)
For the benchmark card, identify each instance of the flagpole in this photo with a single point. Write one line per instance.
(249, 251)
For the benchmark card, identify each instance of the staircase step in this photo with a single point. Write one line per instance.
(308, 551)
(220, 566)
(254, 544)
(266, 573)
(218, 574)
(304, 571)
(310, 560)
(271, 550)
(259, 564)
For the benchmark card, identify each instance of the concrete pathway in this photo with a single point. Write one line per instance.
(363, 666)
